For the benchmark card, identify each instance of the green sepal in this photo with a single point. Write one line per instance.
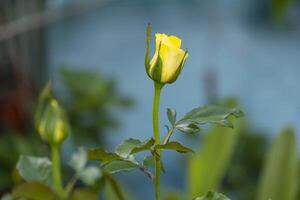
(156, 70)
(147, 55)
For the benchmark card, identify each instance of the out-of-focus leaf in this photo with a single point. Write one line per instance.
(102, 155)
(208, 165)
(37, 169)
(149, 162)
(113, 189)
(33, 191)
(212, 196)
(171, 113)
(121, 165)
(78, 160)
(132, 146)
(81, 194)
(189, 128)
(90, 99)
(88, 174)
(279, 7)
(174, 146)
(7, 197)
(173, 195)
(278, 180)
(210, 114)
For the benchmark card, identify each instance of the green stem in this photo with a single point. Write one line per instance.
(167, 138)
(157, 91)
(56, 173)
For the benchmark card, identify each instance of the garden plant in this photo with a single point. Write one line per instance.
(43, 177)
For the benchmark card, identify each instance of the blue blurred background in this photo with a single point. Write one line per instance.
(249, 50)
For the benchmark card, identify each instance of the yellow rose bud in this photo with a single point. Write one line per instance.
(50, 119)
(168, 59)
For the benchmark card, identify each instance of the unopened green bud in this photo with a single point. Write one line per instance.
(50, 120)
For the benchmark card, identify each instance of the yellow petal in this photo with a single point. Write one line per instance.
(171, 58)
(159, 38)
(173, 41)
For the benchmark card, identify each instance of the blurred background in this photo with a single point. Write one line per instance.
(241, 52)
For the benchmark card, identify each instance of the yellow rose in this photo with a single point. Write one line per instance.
(168, 59)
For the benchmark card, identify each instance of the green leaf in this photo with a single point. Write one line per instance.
(121, 165)
(102, 155)
(174, 146)
(171, 113)
(210, 114)
(35, 169)
(278, 180)
(212, 196)
(33, 191)
(189, 128)
(132, 146)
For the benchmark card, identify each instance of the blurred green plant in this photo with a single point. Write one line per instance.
(207, 167)
(279, 178)
(91, 101)
(231, 160)
(243, 173)
(42, 176)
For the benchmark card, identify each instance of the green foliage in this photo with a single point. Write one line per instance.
(123, 158)
(90, 100)
(88, 174)
(11, 146)
(35, 169)
(174, 146)
(209, 114)
(212, 196)
(33, 191)
(243, 173)
(278, 10)
(208, 165)
(113, 191)
(80, 194)
(149, 162)
(278, 179)
(171, 113)
(121, 165)
(132, 146)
